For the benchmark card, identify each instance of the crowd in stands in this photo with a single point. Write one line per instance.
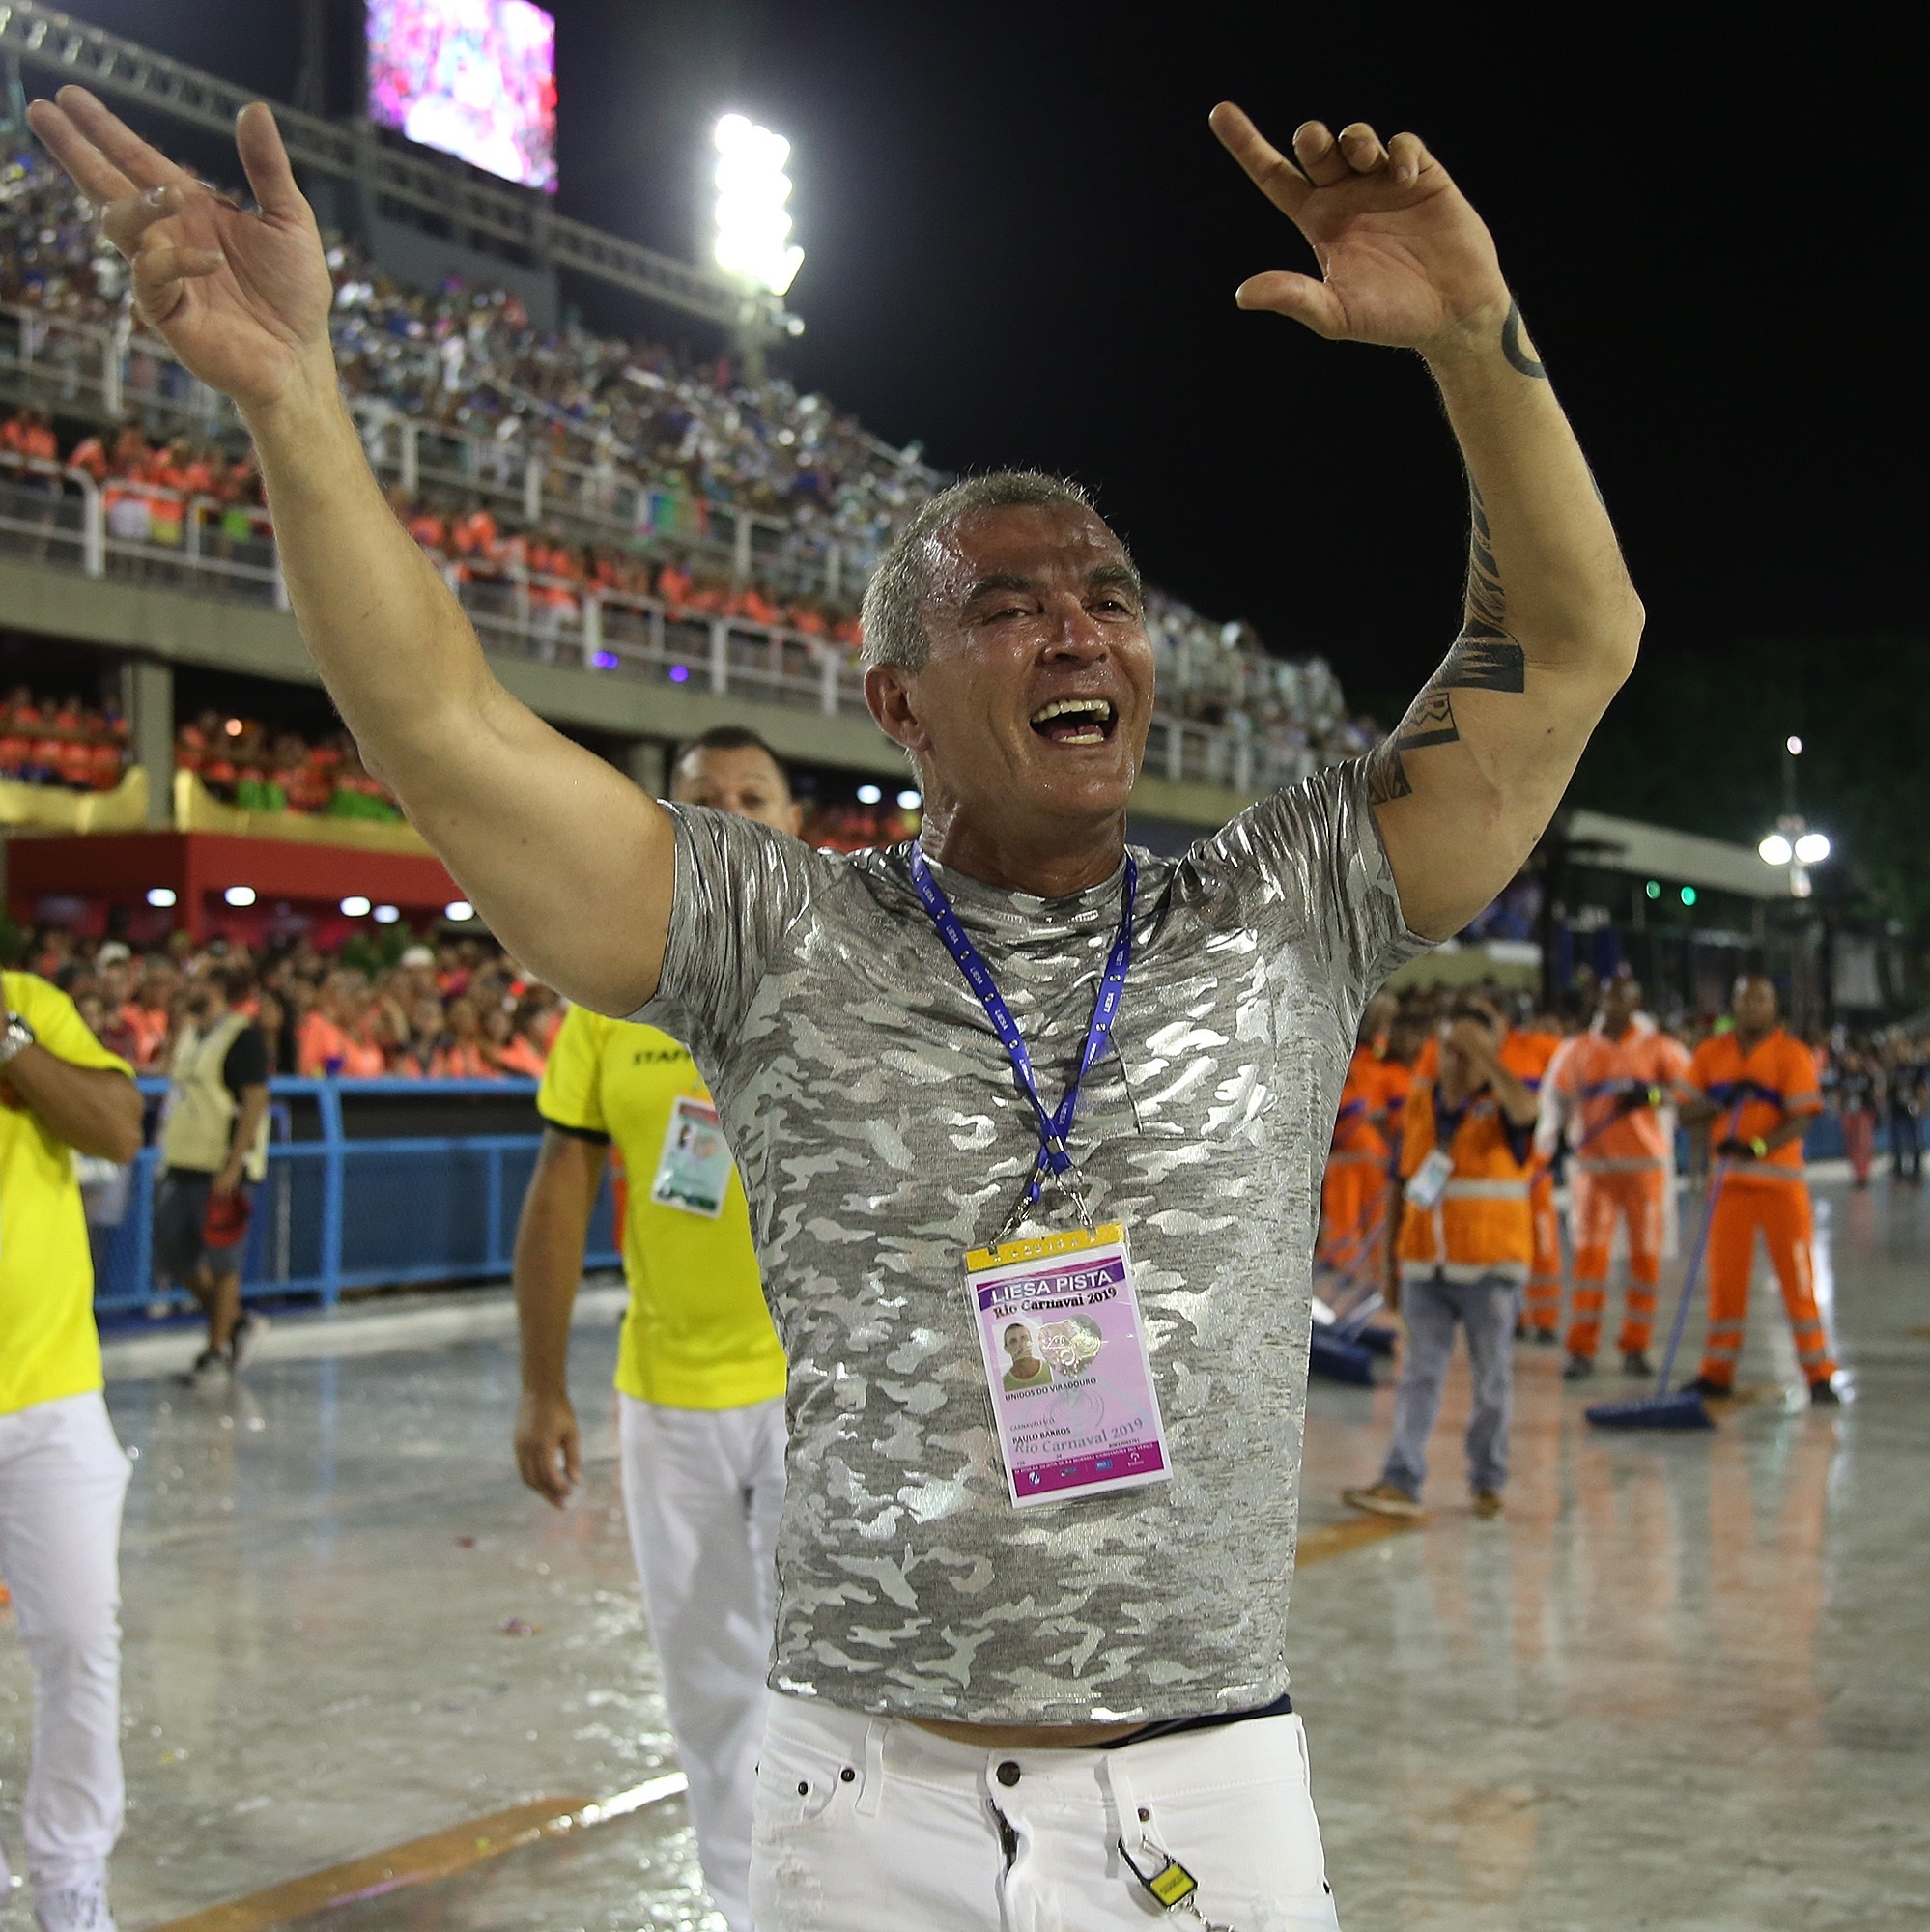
(266, 767)
(473, 544)
(458, 1010)
(61, 741)
(470, 360)
(247, 763)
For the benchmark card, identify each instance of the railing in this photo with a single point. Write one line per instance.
(117, 374)
(340, 1210)
(62, 517)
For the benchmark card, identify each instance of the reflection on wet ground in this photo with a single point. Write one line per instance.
(1680, 1685)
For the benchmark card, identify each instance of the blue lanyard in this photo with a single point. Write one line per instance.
(1056, 1125)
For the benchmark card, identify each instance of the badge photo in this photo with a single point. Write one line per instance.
(1066, 1365)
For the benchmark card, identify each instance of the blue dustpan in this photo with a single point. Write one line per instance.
(1339, 1360)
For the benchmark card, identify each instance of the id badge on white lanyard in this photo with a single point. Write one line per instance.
(1059, 1327)
(694, 1168)
(1429, 1182)
(1065, 1355)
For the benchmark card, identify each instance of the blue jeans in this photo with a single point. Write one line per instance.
(1906, 1144)
(1487, 1309)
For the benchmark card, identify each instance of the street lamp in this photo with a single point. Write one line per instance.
(1793, 843)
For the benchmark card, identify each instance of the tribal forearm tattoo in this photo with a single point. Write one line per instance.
(1483, 657)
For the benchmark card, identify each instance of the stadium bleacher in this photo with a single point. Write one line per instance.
(593, 462)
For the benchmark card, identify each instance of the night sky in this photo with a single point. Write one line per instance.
(1022, 245)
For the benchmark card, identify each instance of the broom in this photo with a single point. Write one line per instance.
(1680, 1408)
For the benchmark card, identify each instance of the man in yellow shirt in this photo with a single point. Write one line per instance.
(62, 1473)
(700, 1372)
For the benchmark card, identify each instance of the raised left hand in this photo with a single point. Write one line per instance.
(1405, 260)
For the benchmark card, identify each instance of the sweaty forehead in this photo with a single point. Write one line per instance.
(1046, 542)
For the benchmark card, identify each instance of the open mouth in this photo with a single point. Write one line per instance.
(1076, 721)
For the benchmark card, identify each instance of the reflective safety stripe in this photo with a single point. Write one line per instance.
(1463, 1272)
(1486, 1190)
(1635, 1164)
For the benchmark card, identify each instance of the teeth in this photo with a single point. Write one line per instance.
(1061, 707)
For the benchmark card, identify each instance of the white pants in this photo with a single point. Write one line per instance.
(703, 1489)
(62, 1478)
(872, 1825)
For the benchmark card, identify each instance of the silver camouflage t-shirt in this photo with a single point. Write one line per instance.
(880, 1134)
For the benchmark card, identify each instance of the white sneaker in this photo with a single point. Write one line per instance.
(77, 1906)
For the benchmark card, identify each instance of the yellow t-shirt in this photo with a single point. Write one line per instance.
(48, 1345)
(697, 1334)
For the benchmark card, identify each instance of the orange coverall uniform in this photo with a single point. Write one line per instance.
(1621, 1169)
(1353, 1195)
(1760, 1090)
(1527, 1056)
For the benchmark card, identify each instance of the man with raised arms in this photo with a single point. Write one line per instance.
(1009, 1690)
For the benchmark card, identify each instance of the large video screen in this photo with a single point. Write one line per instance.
(475, 78)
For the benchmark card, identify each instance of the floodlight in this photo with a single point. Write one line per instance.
(753, 229)
(1793, 746)
(1812, 848)
(459, 910)
(1776, 850)
(240, 895)
(160, 895)
(870, 795)
(386, 915)
(910, 801)
(356, 906)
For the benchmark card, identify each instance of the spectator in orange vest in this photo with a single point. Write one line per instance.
(30, 435)
(459, 1054)
(149, 1016)
(674, 586)
(1466, 1247)
(322, 1041)
(509, 1050)
(1761, 1085)
(90, 456)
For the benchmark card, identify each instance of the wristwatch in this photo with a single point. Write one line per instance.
(19, 1033)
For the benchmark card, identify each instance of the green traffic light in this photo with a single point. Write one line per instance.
(1689, 894)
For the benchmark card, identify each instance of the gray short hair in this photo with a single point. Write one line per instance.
(892, 618)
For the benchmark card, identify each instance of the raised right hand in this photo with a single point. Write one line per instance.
(549, 1450)
(242, 298)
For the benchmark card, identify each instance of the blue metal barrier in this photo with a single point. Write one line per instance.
(341, 1209)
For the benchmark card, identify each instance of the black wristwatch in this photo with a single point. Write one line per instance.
(19, 1033)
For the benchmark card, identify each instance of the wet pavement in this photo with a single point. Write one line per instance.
(1680, 1685)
